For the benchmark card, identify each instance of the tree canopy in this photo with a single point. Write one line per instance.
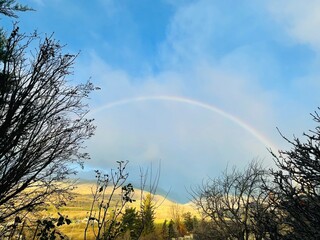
(297, 184)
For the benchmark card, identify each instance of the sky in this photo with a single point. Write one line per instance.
(193, 86)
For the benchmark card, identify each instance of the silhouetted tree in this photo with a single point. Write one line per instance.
(232, 201)
(297, 185)
(43, 124)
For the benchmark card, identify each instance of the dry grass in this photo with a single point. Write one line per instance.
(78, 208)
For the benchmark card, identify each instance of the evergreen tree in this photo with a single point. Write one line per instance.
(148, 215)
(171, 230)
(131, 222)
(188, 221)
(164, 230)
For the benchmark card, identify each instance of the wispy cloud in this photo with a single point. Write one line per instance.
(300, 19)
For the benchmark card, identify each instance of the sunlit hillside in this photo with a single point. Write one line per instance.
(77, 210)
(79, 207)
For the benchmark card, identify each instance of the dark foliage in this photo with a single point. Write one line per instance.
(131, 223)
(171, 230)
(47, 229)
(297, 184)
(189, 222)
(207, 230)
(10, 7)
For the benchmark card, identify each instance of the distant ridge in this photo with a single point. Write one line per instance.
(172, 196)
(164, 206)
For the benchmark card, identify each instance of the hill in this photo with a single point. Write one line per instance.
(79, 206)
(77, 209)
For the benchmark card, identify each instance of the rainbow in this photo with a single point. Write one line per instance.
(255, 133)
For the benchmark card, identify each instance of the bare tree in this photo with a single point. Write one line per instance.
(232, 202)
(107, 208)
(297, 185)
(43, 124)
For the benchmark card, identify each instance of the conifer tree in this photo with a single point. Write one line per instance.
(148, 215)
(171, 230)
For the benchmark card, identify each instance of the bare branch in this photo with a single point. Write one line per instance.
(43, 124)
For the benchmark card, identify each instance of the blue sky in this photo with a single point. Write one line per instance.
(255, 60)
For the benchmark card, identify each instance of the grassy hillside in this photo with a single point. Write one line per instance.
(78, 208)
(80, 205)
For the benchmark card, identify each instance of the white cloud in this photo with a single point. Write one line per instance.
(300, 19)
(189, 33)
